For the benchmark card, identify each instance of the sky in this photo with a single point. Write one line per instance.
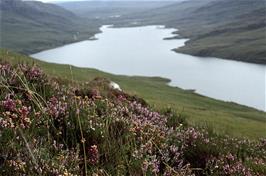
(58, 0)
(83, 0)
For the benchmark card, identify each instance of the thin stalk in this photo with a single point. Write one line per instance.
(80, 128)
(28, 147)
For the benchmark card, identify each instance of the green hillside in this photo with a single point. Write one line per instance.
(50, 127)
(224, 117)
(62, 120)
(32, 26)
(219, 28)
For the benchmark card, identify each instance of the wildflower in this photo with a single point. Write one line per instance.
(5, 69)
(24, 111)
(145, 166)
(230, 157)
(34, 73)
(155, 165)
(9, 104)
(57, 108)
(93, 155)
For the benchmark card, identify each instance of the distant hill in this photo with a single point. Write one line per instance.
(111, 9)
(31, 26)
(220, 28)
(229, 29)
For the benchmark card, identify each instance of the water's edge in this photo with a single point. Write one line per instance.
(173, 36)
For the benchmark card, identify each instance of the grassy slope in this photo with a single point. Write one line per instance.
(220, 28)
(224, 117)
(235, 30)
(29, 27)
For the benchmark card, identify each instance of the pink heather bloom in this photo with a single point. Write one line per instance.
(154, 164)
(230, 157)
(5, 69)
(9, 104)
(34, 73)
(93, 155)
(24, 111)
(56, 108)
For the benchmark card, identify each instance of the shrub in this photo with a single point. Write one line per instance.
(47, 128)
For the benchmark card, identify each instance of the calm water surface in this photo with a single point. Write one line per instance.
(142, 51)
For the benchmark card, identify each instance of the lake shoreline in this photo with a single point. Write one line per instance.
(204, 55)
(236, 119)
(187, 49)
(178, 35)
(133, 42)
(48, 47)
(167, 83)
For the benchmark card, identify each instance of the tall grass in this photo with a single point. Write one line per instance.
(49, 128)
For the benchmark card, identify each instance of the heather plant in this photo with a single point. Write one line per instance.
(50, 128)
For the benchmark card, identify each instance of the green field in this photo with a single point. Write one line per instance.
(224, 117)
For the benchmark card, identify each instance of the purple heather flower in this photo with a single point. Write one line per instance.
(56, 108)
(9, 104)
(93, 155)
(230, 157)
(34, 73)
(5, 69)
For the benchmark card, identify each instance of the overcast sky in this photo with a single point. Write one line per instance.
(96, 0)
(58, 0)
